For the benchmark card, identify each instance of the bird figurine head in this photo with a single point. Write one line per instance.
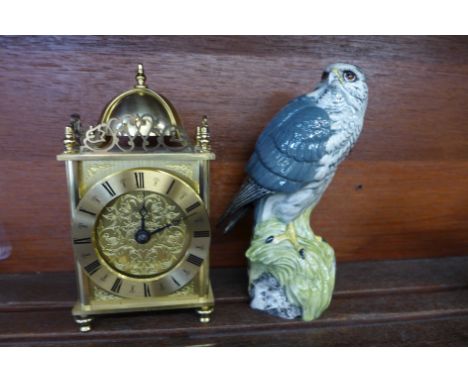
(343, 88)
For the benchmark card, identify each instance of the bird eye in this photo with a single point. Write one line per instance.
(325, 76)
(349, 76)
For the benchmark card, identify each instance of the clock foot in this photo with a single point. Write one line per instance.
(205, 314)
(84, 322)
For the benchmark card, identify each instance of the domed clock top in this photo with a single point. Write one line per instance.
(143, 101)
(139, 119)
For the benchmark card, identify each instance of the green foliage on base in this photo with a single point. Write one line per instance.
(308, 281)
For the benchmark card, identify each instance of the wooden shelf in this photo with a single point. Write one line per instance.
(407, 302)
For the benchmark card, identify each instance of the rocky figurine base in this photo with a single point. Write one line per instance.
(291, 270)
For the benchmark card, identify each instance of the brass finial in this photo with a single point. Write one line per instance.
(202, 141)
(72, 134)
(70, 140)
(140, 77)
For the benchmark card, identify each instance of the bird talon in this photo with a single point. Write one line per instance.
(289, 235)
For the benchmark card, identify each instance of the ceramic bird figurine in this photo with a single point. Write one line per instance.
(291, 270)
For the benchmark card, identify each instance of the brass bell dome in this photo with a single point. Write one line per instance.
(138, 120)
(141, 101)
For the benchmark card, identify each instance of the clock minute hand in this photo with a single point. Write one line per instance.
(171, 224)
(160, 229)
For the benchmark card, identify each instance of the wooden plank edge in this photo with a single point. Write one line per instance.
(61, 305)
(234, 329)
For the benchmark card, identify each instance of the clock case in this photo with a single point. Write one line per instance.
(138, 129)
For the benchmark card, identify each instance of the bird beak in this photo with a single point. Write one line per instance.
(337, 74)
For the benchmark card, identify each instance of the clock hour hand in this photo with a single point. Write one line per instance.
(143, 212)
(142, 236)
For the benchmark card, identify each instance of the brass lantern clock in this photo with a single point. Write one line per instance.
(139, 199)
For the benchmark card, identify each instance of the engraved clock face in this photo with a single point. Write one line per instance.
(141, 233)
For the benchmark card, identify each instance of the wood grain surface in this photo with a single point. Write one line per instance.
(376, 303)
(403, 192)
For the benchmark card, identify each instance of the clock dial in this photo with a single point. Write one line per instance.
(141, 233)
(142, 245)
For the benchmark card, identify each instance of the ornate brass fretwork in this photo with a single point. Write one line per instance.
(135, 132)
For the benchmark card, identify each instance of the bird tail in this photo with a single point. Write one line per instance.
(228, 222)
(249, 192)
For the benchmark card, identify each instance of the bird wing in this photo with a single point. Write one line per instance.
(286, 156)
(288, 152)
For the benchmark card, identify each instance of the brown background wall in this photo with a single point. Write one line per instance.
(402, 193)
